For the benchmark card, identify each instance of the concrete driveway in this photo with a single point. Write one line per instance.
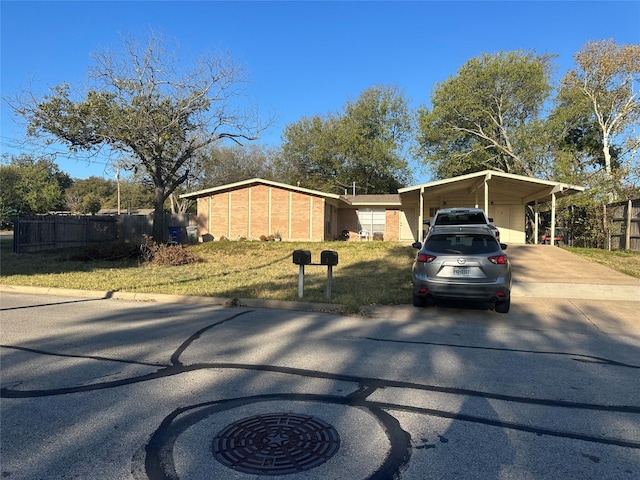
(536, 264)
(94, 388)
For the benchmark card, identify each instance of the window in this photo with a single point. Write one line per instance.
(372, 219)
(462, 243)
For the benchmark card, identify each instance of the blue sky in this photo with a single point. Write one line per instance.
(302, 58)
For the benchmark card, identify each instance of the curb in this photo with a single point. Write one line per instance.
(169, 298)
(627, 293)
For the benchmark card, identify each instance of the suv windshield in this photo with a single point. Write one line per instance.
(462, 243)
(460, 218)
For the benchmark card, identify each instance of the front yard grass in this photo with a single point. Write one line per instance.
(367, 273)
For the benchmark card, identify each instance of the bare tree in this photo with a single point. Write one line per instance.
(147, 104)
(606, 83)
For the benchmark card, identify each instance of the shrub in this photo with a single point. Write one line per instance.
(171, 255)
(165, 255)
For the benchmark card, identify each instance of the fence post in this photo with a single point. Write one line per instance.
(627, 239)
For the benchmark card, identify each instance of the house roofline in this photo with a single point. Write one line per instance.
(490, 173)
(255, 181)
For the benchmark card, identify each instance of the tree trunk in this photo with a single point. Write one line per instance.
(159, 230)
(607, 166)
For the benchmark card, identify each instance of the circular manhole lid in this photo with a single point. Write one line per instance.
(276, 444)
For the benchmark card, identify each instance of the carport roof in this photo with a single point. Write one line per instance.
(528, 189)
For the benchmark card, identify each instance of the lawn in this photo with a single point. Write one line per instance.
(368, 273)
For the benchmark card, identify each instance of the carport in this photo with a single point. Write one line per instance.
(502, 195)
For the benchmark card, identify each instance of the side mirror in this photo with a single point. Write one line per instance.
(503, 246)
(426, 222)
(417, 245)
(490, 219)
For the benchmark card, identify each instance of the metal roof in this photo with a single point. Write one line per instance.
(528, 189)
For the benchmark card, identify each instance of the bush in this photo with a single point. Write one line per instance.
(171, 255)
(165, 255)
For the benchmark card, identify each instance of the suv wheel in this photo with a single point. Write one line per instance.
(503, 307)
(419, 301)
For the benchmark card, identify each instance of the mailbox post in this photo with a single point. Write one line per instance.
(328, 258)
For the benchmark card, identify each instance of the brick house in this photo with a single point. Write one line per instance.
(258, 208)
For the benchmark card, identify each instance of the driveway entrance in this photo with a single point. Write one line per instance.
(546, 264)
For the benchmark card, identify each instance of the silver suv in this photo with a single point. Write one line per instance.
(462, 263)
(462, 216)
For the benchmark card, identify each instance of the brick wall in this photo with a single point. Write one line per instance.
(392, 226)
(258, 210)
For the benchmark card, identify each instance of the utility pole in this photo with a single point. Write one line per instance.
(346, 187)
(118, 183)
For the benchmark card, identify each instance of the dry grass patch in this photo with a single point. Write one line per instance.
(367, 273)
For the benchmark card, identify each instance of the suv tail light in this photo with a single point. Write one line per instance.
(498, 259)
(425, 258)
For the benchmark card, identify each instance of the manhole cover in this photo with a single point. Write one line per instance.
(276, 444)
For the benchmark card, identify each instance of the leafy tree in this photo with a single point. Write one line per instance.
(364, 144)
(221, 165)
(9, 181)
(236, 163)
(488, 116)
(30, 186)
(311, 155)
(145, 104)
(86, 191)
(133, 195)
(374, 132)
(91, 204)
(600, 106)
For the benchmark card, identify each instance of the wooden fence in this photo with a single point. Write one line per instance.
(46, 232)
(624, 225)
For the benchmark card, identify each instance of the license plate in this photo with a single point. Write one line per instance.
(461, 271)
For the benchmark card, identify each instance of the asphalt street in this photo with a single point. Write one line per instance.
(110, 385)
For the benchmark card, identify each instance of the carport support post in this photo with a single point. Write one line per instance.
(536, 222)
(301, 281)
(553, 218)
